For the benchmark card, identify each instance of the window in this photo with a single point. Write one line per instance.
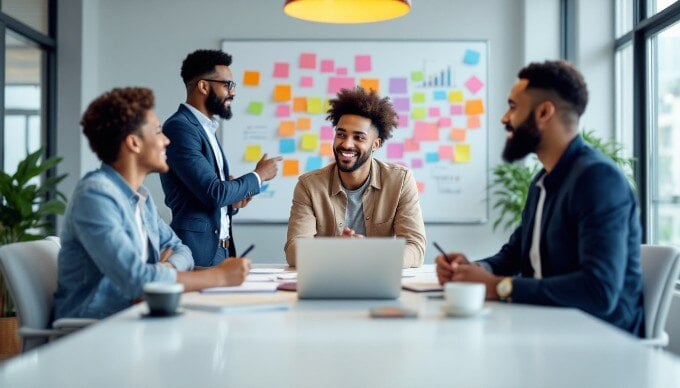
(656, 6)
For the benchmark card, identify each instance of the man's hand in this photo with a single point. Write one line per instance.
(477, 274)
(242, 203)
(267, 168)
(446, 263)
(165, 255)
(349, 233)
(233, 271)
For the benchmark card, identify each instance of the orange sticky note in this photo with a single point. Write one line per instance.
(326, 149)
(473, 122)
(370, 84)
(304, 123)
(458, 134)
(421, 186)
(287, 128)
(474, 107)
(251, 78)
(291, 167)
(300, 104)
(282, 93)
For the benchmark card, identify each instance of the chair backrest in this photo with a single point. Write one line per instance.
(660, 267)
(30, 272)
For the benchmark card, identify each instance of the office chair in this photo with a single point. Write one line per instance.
(660, 268)
(30, 273)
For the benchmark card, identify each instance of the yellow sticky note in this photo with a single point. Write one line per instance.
(418, 97)
(251, 78)
(309, 142)
(314, 105)
(282, 93)
(418, 113)
(456, 96)
(304, 123)
(370, 84)
(300, 104)
(326, 149)
(287, 128)
(326, 105)
(461, 153)
(253, 153)
(417, 76)
(474, 107)
(291, 167)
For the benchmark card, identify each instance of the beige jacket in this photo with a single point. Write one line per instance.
(391, 208)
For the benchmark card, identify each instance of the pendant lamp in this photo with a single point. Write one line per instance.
(346, 11)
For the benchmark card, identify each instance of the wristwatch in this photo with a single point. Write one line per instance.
(504, 289)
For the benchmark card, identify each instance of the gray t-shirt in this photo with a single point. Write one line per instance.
(354, 216)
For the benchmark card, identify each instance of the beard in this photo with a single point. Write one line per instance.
(525, 139)
(362, 158)
(215, 105)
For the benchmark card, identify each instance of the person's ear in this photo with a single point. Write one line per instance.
(544, 112)
(133, 143)
(376, 144)
(203, 87)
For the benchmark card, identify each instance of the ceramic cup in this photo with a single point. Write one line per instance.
(463, 297)
(162, 298)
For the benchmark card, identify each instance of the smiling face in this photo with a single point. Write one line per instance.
(153, 143)
(519, 120)
(218, 101)
(355, 141)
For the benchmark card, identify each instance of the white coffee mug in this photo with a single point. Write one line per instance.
(464, 297)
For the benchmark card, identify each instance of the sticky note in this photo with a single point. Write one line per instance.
(314, 105)
(395, 150)
(398, 85)
(461, 153)
(401, 104)
(303, 123)
(473, 122)
(432, 157)
(458, 134)
(411, 145)
(417, 76)
(433, 112)
(327, 132)
(471, 57)
(439, 95)
(362, 63)
(445, 152)
(307, 61)
(416, 163)
(251, 78)
(370, 84)
(287, 128)
(309, 142)
(474, 84)
(425, 131)
(286, 146)
(456, 110)
(445, 122)
(327, 65)
(255, 108)
(341, 71)
(281, 70)
(335, 84)
(306, 82)
(291, 167)
(282, 93)
(418, 97)
(402, 120)
(474, 107)
(456, 96)
(282, 110)
(253, 153)
(421, 186)
(300, 104)
(326, 149)
(418, 113)
(313, 163)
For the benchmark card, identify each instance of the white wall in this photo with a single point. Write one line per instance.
(128, 42)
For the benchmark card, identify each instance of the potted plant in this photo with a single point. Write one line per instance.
(511, 181)
(25, 207)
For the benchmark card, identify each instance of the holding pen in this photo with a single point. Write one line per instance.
(247, 251)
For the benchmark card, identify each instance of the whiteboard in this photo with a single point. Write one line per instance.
(439, 89)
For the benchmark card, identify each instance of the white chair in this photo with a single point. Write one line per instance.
(30, 273)
(660, 268)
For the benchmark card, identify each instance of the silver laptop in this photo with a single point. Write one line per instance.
(349, 268)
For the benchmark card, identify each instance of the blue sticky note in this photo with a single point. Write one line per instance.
(471, 57)
(432, 157)
(313, 163)
(287, 146)
(440, 95)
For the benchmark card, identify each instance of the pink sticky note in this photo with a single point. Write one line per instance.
(306, 82)
(474, 84)
(327, 65)
(281, 70)
(337, 83)
(395, 150)
(445, 122)
(411, 145)
(456, 109)
(421, 187)
(362, 63)
(307, 61)
(403, 120)
(445, 152)
(416, 163)
(433, 112)
(327, 132)
(425, 131)
(341, 71)
(283, 110)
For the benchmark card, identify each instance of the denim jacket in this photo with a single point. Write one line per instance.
(100, 270)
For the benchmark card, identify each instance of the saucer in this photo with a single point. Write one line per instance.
(449, 312)
(177, 312)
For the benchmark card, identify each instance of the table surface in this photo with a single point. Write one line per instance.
(336, 344)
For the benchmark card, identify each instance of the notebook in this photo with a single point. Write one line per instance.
(349, 268)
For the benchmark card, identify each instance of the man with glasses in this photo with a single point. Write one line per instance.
(198, 188)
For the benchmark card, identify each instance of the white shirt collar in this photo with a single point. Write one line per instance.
(205, 121)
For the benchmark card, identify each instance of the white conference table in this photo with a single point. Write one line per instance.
(336, 344)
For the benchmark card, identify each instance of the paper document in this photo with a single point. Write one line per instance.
(246, 287)
(236, 303)
(263, 271)
(422, 286)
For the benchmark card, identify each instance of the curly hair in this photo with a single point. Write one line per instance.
(201, 63)
(113, 116)
(365, 104)
(561, 78)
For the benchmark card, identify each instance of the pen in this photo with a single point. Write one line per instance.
(247, 251)
(440, 249)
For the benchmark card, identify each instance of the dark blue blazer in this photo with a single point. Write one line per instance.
(590, 241)
(193, 189)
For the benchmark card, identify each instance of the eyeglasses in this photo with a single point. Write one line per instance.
(231, 85)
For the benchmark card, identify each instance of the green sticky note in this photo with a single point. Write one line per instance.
(418, 97)
(314, 105)
(417, 76)
(418, 113)
(255, 108)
